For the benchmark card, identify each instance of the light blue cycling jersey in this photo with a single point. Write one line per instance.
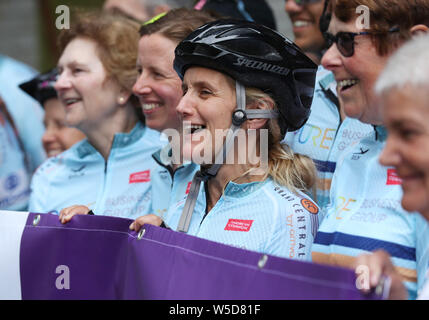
(20, 152)
(120, 187)
(14, 175)
(259, 216)
(169, 186)
(25, 111)
(424, 292)
(365, 214)
(324, 137)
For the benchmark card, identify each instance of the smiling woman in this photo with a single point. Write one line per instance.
(96, 75)
(403, 90)
(357, 57)
(243, 77)
(158, 89)
(305, 16)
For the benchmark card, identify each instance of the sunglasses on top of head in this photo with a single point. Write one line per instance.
(345, 41)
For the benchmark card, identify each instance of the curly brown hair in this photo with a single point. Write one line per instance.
(117, 42)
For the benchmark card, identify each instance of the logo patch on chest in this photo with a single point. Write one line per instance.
(238, 225)
(138, 177)
(392, 177)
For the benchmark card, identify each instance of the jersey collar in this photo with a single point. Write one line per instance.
(120, 140)
(242, 190)
(380, 133)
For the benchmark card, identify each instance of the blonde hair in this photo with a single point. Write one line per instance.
(294, 171)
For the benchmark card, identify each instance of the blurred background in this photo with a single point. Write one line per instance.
(28, 33)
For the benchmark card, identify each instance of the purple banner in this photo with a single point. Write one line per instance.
(95, 257)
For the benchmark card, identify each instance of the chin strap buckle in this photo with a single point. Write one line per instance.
(239, 117)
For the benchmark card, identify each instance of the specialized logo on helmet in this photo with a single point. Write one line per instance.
(258, 65)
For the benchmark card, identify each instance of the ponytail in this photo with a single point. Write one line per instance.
(294, 171)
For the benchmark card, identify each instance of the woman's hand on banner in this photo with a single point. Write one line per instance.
(68, 213)
(379, 265)
(147, 219)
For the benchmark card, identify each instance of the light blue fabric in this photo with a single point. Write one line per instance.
(365, 214)
(169, 187)
(258, 216)
(25, 111)
(324, 137)
(14, 176)
(120, 187)
(19, 156)
(424, 291)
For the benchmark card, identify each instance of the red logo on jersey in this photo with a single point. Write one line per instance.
(392, 177)
(143, 176)
(188, 187)
(238, 225)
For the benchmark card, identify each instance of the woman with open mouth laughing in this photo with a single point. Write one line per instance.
(305, 17)
(403, 89)
(158, 89)
(110, 171)
(244, 80)
(365, 212)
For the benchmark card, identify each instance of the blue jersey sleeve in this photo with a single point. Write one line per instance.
(39, 191)
(422, 250)
(294, 236)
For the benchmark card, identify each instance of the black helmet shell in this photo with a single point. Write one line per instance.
(41, 87)
(256, 56)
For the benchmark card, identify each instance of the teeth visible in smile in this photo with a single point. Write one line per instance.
(347, 83)
(149, 106)
(194, 127)
(53, 153)
(71, 101)
(301, 23)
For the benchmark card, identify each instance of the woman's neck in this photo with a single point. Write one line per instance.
(227, 173)
(238, 172)
(102, 134)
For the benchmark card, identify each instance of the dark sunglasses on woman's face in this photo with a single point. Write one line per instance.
(345, 41)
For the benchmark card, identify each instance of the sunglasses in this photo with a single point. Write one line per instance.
(345, 41)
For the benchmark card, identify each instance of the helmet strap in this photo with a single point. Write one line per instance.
(239, 116)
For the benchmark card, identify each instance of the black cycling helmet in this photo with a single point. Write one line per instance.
(256, 56)
(41, 87)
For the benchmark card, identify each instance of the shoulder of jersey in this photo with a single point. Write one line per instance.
(296, 200)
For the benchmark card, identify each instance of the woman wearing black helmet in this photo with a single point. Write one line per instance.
(245, 80)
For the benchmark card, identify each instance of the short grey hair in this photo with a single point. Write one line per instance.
(409, 65)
